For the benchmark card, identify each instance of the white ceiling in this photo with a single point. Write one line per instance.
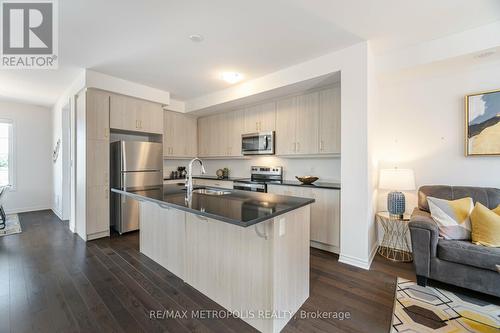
(147, 41)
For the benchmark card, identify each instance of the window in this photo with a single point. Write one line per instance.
(6, 153)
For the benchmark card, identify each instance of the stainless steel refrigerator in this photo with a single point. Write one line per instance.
(137, 167)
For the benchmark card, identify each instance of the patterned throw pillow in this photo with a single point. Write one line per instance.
(452, 217)
(485, 226)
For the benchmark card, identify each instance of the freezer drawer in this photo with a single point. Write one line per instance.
(141, 179)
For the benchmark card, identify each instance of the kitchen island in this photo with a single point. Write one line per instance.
(247, 251)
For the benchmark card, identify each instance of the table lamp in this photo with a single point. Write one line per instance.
(396, 180)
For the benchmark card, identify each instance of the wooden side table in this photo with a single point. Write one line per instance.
(394, 245)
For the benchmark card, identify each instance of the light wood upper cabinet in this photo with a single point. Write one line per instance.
(286, 122)
(329, 121)
(97, 120)
(307, 124)
(132, 114)
(220, 134)
(234, 123)
(260, 118)
(180, 135)
(203, 137)
(150, 117)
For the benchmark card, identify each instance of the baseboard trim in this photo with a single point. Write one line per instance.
(59, 215)
(325, 247)
(354, 261)
(26, 209)
(361, 263)
(98, 235)
(373, 252)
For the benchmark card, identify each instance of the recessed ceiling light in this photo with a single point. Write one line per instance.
(196, 38)
(231, 77)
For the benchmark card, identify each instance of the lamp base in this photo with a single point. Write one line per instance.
(396, 204)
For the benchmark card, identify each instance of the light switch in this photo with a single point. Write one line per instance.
(282, 227)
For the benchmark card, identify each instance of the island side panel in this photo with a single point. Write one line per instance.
(163, 235)
(291, 264)
(232, 265)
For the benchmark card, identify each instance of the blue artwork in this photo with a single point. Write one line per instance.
(483, 124)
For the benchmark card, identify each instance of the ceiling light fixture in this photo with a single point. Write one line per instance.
(196, 38)
(231, 77)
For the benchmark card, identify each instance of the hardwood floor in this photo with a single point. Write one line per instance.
(52, 281)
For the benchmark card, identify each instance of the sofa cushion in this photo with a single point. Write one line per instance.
(485, 226)
(467, 253)
(452, 217)
(490, 197)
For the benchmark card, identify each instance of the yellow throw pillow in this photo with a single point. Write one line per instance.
(485, 226)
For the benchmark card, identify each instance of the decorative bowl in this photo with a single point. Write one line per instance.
(307, 180)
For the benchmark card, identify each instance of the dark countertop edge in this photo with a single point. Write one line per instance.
(212, 216)
(325, 185)
(231, 179)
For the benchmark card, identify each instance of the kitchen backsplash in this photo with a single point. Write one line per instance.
(328, 169)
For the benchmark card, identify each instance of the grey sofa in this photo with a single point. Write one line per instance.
(460, 263)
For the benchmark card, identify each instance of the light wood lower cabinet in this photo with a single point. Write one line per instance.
(264, 267)
(325, 214)
(162, 236)
(213, 182)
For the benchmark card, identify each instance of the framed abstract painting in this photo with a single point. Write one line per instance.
(482, 124)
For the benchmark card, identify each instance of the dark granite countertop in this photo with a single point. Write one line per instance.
(334, 186)
(317, 184)
(241, 208)
(204, 177)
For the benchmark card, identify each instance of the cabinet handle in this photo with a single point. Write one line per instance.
(140, 124)
(321, 145)
(260, 126)
(137, 124)
(106, 132)
(294, 146)
(298, 146)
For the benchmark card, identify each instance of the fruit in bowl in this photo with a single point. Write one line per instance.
(307, 180)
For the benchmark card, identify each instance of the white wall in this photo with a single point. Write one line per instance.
(33, 157)
(421, 123)
(328, 169)
(57, 175)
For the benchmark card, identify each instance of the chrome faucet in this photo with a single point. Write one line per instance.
(189, 178)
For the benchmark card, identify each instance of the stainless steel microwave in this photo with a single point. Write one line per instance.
(257, 143)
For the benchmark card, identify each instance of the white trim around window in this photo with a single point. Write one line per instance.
(12, 152)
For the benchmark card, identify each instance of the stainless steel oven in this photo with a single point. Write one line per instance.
(257, 143)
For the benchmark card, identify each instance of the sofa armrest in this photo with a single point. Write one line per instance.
(424, 238)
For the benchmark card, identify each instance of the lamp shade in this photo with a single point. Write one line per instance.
(397, 179)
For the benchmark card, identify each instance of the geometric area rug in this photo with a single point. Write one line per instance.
(12, 225)
(428, 309)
